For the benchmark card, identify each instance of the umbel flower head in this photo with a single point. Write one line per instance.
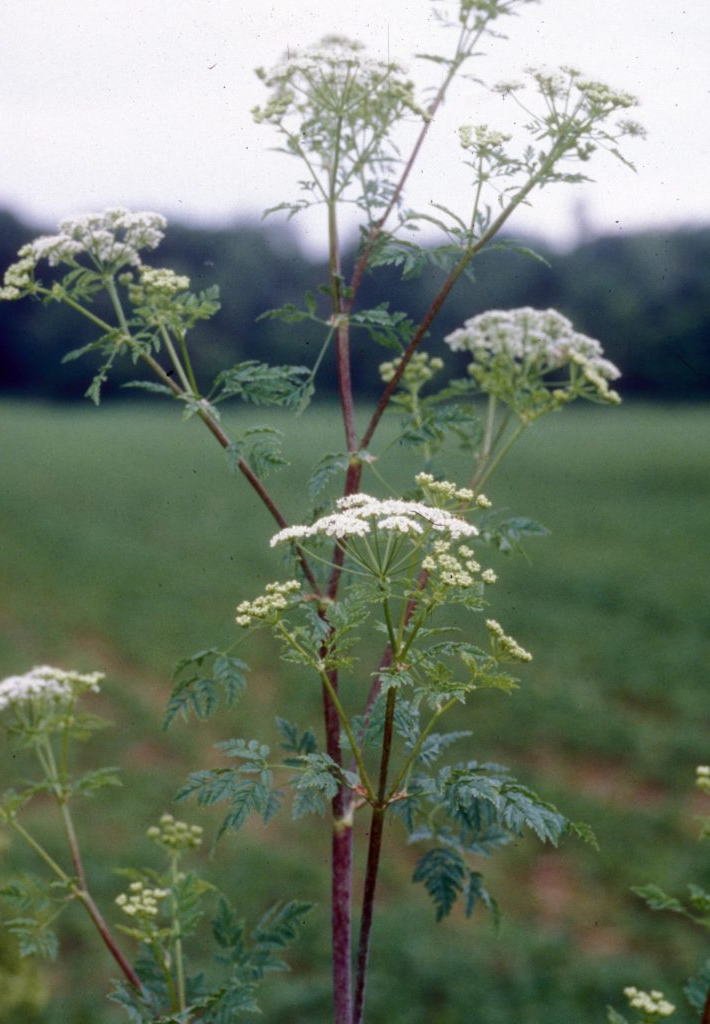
(533, 360)
(360, 514)
(46, 685)
(652, 1004)
(106, 241)
(175, 835)
(141, 901)
(335, 107)
(269, 606)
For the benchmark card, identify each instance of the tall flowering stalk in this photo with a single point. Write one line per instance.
(373, 568)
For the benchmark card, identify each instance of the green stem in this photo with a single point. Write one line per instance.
(491, 466)
(96, 320)
(39, 850)
(83, 895)
(167, 341)
(179, 961)
(163, 961)
(390, 630)
(345, 722)
(340, 710)
(413, 632)
(118, 308)
(414, 753)
(188, 363)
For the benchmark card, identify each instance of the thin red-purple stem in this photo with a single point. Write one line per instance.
(95, 914)
(83, 894)
(373, 861)
(244, 468)
(342, 804)
(424, 326)
(377, 228)
(445, 289)
(706, 1010)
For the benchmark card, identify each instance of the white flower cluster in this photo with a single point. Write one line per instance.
(18, 278)
(156, 286)
(594, 94)
(419, 370)
(455, 570)
(112, 238)
(651, 1003)
(141, 901)
(336, 67)
(702, 778)
(448, 491)
(481, 138)
(175, 835)
(505, 644)
(163, 280)
(538, 341)
(358, 514)
(267, 606)
(599, 94)
(44, 683)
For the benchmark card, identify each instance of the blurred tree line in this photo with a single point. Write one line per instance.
(646, 297)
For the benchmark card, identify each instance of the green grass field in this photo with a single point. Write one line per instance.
(126, 544)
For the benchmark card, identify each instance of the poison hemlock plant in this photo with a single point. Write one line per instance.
(370, 571)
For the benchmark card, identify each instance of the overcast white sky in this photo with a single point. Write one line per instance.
(146, 104)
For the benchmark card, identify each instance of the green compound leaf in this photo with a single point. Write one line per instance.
(521, 808)
(189, 892)
(246, 787)
(210, 786)
(516, 807)
(392, 330)
(260, 447)
(280, 925)
(699, 899)
(263, 384)
(131, 1003)
(697, 987)
(201, 688)
(247, 750)
(295, 741)
(88, 783)
(436, 743)
(506, 532)
(35, 937)
(409, 257)
(37, 906)
(432, 423)
(323, 775)
(326, 468)
(476, 893)
(247, 797)
(227, 928)
(657, 899)
(307, 801)
(444, 874)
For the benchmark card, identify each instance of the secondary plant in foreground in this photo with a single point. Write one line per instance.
(365, 608)
(696, 908)
(43, 715)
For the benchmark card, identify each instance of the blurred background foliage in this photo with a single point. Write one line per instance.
(126, 545)
(645, 296)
